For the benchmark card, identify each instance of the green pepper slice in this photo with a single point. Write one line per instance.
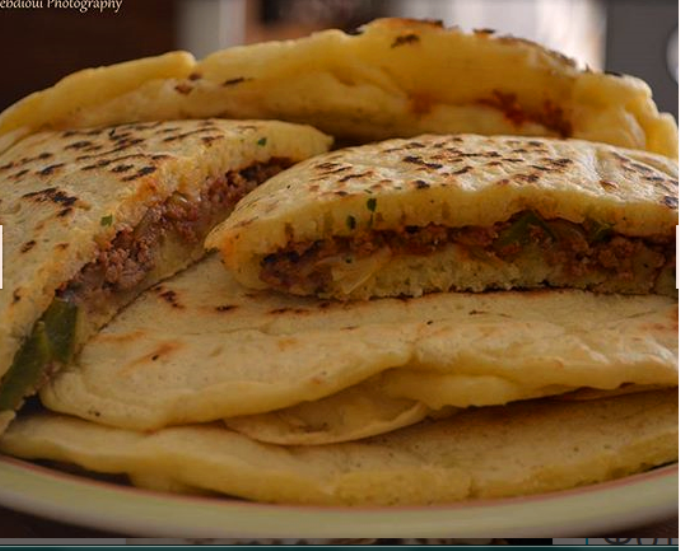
(52, 340)
(598, 231)
(60, 325)
(519, 231)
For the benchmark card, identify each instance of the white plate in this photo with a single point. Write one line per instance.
(590, 511)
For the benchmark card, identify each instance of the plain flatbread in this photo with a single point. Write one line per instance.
(87, 88)
(390, 400)
(393, 78)
(584, 394)
(381, 219)
(222, 351)
(437, 390)
(395, 399)
(67, 195)
(524, 448)
(357, 412)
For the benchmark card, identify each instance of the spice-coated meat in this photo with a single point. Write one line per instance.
(124, 262)
(577, 249)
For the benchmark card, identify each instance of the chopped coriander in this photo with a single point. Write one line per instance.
(351, 222)
(262, 141)
(107, 220)
(371, 204)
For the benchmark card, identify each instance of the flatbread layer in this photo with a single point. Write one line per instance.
(86, 88)
(584, 394)
(460, 212)
(93, 217)
(437, 390)
(394, 399)
(223, 351)
(391, 78)
(521, 449)
(357, 412)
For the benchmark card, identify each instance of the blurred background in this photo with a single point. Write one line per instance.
(637, 37)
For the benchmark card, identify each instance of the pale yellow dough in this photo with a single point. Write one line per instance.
(521, 449)
(396, 78)
(66, 194)
(451, 181)
(217, 350)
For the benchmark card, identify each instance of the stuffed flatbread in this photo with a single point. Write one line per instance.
(94, 217)
(391, 78)
(464, 213)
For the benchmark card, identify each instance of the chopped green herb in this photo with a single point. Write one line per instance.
(351, 222)
(371, 204)
(51, 343)
(262, 141)
(107, 220)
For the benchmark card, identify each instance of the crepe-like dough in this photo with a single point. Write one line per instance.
(396, 399)
(200, 348)
(583, 394)
(85, 88)
(393, 399)
(66, 194)
(520, 449)
(357, 412)
(451, 181)
(396, 77)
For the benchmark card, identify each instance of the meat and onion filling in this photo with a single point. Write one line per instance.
(171, 233)
(168, 238)
(584, 256)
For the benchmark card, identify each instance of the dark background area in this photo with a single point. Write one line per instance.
(40, 46)
(637, 42)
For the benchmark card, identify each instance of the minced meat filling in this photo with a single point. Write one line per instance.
(168, 238)
(578, 249)
(124, 263)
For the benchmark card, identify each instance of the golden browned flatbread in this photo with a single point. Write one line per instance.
(93, 217)
(463, 213)
(393, 78)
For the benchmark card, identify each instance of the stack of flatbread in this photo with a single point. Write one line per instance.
(487, 310)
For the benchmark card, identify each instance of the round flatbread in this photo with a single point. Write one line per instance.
(200, 347)
(460, 212)
(357, 412)
(391, 78)
(94, 217)
(520, 449)
(87, 89)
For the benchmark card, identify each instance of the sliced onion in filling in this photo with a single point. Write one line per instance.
(586, 256)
